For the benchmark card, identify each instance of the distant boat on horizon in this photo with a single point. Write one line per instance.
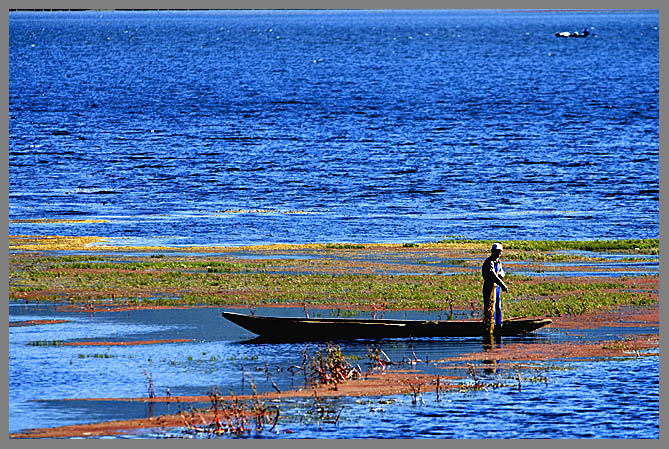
(584, 33)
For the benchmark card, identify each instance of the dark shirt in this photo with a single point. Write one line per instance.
(490, 278)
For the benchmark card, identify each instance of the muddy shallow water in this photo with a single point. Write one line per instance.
(52, 381)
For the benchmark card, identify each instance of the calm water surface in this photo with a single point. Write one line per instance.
(183, 128)
(618, 398)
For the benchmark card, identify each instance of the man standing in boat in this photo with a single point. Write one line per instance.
(492, 284)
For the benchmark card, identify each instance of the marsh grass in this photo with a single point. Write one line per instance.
(208, 266)
(344, 246)
(195, 280)
(645, 246)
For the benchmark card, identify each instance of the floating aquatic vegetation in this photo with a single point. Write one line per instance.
(35, 322)
(96, 356)
(57, 220)
(53, 243)
(46, 343)
(248, 211)
(262, 211)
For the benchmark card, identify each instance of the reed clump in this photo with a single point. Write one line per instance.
(231, 417)
(330, 367)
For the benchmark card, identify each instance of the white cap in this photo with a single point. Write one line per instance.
(496, 246)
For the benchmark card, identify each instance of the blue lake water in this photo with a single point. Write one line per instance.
(247, 127)
(244, 127)
(617, 398)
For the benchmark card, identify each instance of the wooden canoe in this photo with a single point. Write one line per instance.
(322, 329)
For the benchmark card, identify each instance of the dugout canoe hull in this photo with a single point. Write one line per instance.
(323, 329)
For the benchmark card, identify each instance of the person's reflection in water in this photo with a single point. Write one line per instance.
(490, 343)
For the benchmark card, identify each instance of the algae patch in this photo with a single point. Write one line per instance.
(58, 220)
(53, 243)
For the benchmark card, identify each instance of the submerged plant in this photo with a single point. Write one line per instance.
(331, 367)
(376, 361)
(415, 393)
(149, 385)
(478, 383)
(324, 411)
(231, 416)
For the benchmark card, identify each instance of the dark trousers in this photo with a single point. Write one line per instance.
(489, 308)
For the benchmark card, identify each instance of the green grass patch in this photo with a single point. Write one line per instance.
(205, 280)
(344, 246)
(574, 304)
(209, 266)
(646, 246)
